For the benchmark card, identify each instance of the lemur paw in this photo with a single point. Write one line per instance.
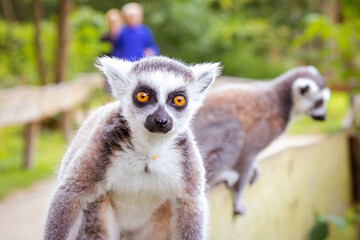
(239, 209)
(255, 175)
(229, 177)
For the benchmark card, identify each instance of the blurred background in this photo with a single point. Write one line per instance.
(55, 43)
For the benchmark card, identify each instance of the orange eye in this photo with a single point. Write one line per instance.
(142, 96)
(179, 101)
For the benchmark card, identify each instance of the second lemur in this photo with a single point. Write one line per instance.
(237, 121)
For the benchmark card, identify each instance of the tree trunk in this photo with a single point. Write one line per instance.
(30, 135)
(66, 125)
(64, 6)
(38, 50)
(8, 10)
(332, 9)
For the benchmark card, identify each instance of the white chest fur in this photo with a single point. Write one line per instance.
(139, 184)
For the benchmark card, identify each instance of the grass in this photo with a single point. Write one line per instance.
(336, 111)
(49, 148)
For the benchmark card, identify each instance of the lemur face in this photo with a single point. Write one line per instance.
(159, 95)
(161, 102)
(309, 99)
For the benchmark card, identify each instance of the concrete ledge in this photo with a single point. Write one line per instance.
(294, 183)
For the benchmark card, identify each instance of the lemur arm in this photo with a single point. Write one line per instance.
(189, 218)
(245, 168)
(189, 208)
(80, 182)
(65, 208)
(84, 167)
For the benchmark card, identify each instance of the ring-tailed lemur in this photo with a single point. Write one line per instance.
(239, 120)
(133, 166)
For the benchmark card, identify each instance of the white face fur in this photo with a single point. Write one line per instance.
(309, 99)
(159, 89)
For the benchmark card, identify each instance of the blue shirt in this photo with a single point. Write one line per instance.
(132, 42)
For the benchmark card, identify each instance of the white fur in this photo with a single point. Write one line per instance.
(75, 227)
(139, 193)
(304, 104)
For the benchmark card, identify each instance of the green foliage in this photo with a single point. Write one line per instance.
(334, 47)
(15, 43)
(86, 29)
(204, 31)
(329, 226)
(17, 54)
(320, 230)
(102, 6)
(254, 39)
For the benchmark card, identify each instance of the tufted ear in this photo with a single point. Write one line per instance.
(313, 70)
(205, 75)
(116, 72)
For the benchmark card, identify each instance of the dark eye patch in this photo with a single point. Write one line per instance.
(172, 95)
(148, 90)
(319, 103)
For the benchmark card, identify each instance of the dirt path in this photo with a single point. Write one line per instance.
(22, 214)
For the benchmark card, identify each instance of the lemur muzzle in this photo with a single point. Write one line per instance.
(160, 121)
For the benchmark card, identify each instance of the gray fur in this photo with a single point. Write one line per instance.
(163, 65)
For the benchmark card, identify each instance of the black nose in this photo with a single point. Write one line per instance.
(318, 117)
(161, 122)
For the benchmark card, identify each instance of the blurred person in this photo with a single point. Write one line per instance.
(115, 24)
(135, 39)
